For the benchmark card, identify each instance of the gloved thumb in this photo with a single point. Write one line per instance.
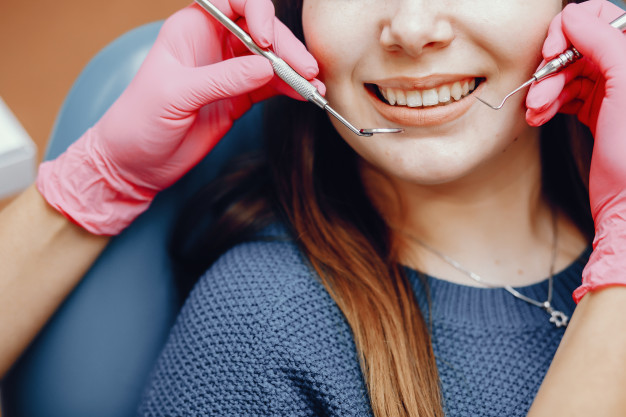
(226, 79)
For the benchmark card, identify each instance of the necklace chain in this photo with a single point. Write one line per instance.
(557, 317)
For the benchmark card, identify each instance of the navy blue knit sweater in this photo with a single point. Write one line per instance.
(260, 336)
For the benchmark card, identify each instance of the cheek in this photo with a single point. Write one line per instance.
(515, 30)
(334, 36)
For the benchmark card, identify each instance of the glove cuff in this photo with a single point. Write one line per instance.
(83, 186)
(607, 263)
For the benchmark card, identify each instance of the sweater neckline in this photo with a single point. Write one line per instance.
(495, 307)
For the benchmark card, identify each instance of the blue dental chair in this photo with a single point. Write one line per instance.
(95, 355)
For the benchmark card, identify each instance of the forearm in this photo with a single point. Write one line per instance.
(588, 374)
(43, 257)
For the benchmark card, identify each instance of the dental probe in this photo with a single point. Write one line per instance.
(286, 73)
(557, 64)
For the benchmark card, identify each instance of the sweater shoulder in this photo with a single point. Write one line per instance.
(266, 269)
(259, 335)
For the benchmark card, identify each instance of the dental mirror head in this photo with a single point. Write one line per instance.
(360, 132)
(370, 132)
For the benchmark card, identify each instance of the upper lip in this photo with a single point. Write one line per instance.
(421, 83)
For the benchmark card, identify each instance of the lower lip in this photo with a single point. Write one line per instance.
(424, 116)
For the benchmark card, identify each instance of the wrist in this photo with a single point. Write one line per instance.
(84, 187)
(607, 264)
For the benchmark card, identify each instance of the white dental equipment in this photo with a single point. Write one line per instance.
(557, 64)
(286, 73)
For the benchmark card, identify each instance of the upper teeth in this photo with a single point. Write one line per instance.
(431, 97)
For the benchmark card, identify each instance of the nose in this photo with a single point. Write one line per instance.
(415, 27)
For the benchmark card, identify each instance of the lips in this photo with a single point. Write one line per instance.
(425, 102)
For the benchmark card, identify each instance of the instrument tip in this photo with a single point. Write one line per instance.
(526, 84)
(490, 105)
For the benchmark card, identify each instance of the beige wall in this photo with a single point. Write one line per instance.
(45, 44)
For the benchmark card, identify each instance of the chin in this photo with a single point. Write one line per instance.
(422, 172)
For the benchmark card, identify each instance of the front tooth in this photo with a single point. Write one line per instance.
(430, 97)
(465, 88)
(400, 97)
(391, 96)
(472, 84)
(413, 98)
(456, 91)
(444, 94)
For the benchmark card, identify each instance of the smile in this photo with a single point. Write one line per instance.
(440, 95)
(424, 102)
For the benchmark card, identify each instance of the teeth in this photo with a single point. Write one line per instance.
(430, 97)
(391, 96)
(444, 94)
(413, 98)
(416, 98)
(383, 91)
(456, 91)
(400, 98)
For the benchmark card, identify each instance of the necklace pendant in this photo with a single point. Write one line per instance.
(557, 317)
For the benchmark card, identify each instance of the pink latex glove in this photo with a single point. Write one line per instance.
(594, 89)
(195, 82)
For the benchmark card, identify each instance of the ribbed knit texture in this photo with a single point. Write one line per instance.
(260, 336)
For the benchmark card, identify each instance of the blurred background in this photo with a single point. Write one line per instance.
(45, 44)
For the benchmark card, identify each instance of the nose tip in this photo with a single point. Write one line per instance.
(415, 29)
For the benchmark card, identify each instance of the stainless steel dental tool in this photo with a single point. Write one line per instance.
(557, 64)
(285, 72)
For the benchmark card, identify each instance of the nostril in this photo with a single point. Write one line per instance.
(415, 31)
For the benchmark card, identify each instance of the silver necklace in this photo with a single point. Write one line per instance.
(557, 317)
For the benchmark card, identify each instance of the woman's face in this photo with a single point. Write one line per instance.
(410, 64)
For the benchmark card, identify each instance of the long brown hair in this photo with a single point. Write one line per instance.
(308, 179)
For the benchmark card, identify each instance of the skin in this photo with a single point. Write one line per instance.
(43, 256)
(472, 175)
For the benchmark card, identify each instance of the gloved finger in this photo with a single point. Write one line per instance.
(260, 19)
(541, 94)
(573, 107)
(287, 47)
(258, 13)
(225, 79)
(267, 30)
(580, 88)
(601, 43)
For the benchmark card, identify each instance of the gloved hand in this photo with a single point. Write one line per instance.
(594, 89)
(195, 82)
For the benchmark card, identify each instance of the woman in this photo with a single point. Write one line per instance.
(433, 168)
(260, 334)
